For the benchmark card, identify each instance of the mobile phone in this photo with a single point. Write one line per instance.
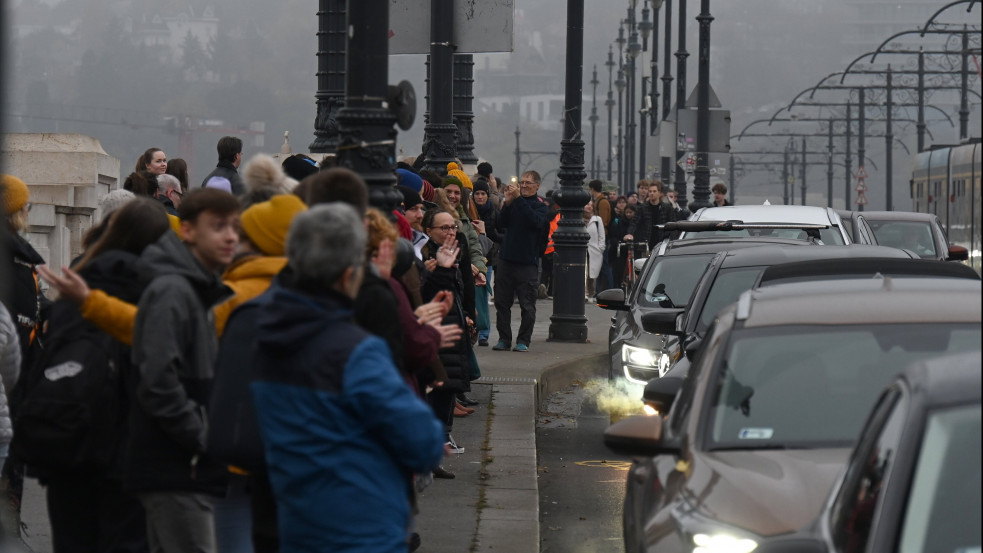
(515, 180)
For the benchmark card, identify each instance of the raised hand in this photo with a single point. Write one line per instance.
(71, 287)
(447, 254)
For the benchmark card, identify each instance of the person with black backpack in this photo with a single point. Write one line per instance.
(72, 424)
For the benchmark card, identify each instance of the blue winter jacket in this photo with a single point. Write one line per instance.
(524, 223)
(342, 431)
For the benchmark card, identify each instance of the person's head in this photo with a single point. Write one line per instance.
(529, 184)
(210, 226)
(326, 249)
(170, 188)
(612, 196)
(595, 185)
(672, 195)
(299, 166)
(409, 179)
(379, 229)
(643, 190)
(481, 190)
(440, 225)
(142, 183)
(629, 211)
(485, 169)
(219, 183)
(633, 198)
(454, 170)
(262, 171)
(412, 206)
(131, 228)
(230, 150)
(655, 192)
(338, 185)
(719, 193)
(154, 160)
(16, 204)
(588, 211)
(179, 168)
(265, 224)
(454, 190)
(619, 204)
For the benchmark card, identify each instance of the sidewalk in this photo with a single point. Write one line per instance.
(492, 506)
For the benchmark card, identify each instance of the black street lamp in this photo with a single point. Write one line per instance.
(368, 138)
(569, 322)
(609, 103)
(440, 131)
(593, 125)
(645, 30)
(701, 182)
(620, 83)
(463, 115)
(667, 91)
(330, 96)
(681, 54)
(634, 49)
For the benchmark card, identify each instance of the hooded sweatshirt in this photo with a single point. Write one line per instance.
(174, 350)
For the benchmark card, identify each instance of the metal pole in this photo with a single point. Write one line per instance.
(889, 145)
(518, 154)
(785, 175)
(805, 165)
(643, 134)
(463, 109)
(964, 88)
(610, 105)
(681, 54)
(920, 126)
(701, 183)
(667, 90)
(438, 141)
(733, 181)
(848, 162)
(568, 322)
(330, 96)
(593, 125)
(861, 148)
(791, 170)
(622, 186)
(368, 138)
(829, 166)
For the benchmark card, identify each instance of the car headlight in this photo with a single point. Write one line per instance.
(722, 543)
(643, 358)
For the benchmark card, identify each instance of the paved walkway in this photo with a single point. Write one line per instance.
(492, 506)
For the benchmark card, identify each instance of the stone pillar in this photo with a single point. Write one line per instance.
(67, 174)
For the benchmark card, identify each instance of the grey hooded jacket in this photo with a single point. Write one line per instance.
(9, 370)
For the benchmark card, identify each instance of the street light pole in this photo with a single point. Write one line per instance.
(829, 167)
(667, 90)
(569, 322)
(643, 133)
(681, 54)
(610, 105)
(368, 138)
(330, 96)
(438, 141)
(593, 125)
(620, 83)
(804, 167)
(701, 183)
(889, 146)
(848, 161)
(463, 115)
(633, 50)
(861, 148)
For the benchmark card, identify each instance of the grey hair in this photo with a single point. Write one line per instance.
(168, 182)
(323, 242)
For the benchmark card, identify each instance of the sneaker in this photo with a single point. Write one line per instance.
(466, 400)
(542, 291)
(502, 345)
(441, 472)
(453, 446)
(521, 347)
(483, 342)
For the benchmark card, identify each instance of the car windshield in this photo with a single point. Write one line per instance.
(812, 386)
(671, 281)
(830, 236)
(911, 235)
(726, 288)
(943, 512)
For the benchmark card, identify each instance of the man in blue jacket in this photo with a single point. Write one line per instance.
(523, 219)
(343, 433)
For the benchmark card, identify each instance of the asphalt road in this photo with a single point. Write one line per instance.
(581, 483)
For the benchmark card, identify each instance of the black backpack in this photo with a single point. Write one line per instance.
(71, 416)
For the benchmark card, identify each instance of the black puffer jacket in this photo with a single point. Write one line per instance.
(27, 306)
(457, 358)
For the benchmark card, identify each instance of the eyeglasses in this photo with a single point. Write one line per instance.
(527, 182)
(446, 228)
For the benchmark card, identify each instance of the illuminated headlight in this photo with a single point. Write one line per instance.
(642, 358)
(722, 543)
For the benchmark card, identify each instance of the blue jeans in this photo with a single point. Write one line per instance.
(234, 518)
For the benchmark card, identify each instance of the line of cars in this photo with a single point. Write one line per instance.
(760, 402)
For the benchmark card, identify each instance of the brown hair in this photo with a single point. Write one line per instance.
(141, 183)
(179, 168)
(134, 226)
(201, 200)
(337, 185)
(379, 229)
(146, 158)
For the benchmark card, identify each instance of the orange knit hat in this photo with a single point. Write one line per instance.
(454, 170)
(266, 223)
(15, 194)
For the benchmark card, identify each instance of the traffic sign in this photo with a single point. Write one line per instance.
(861, 173)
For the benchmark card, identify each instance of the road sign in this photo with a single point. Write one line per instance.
(861, 173)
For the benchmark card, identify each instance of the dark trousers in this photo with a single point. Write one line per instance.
(92, 515)
(546, 272)
(266, 536)
(515, 280)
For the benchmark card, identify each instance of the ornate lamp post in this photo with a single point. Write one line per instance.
(701, 183)
(568, 322)
(330, 96)
(645, 29)
(681, 54)
(610, 105)
(438, 140)
(667, 88)
(620, 83)
(634, 49)
(593, 125)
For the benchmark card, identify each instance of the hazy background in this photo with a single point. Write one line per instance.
(117, 70)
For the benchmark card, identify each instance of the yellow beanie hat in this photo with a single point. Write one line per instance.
(266, 223)
(15, 194)
(454, 170)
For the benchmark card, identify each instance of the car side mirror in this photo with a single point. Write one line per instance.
(613, 299)
(661, 392)
(957, 253)
(667, 322)
(640, 436)
(692, 348)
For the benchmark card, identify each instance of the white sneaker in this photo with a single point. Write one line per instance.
(453, 446)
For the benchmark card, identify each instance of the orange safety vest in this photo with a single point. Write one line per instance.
(553, 224)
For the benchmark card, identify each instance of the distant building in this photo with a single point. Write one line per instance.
(168, 33)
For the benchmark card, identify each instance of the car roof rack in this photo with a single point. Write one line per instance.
(873, 266)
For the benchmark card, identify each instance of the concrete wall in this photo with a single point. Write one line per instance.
(67, 174)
